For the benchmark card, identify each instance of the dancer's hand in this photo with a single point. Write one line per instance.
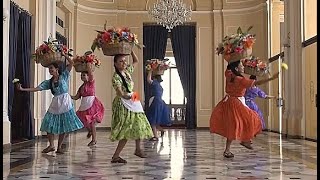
(275, 76)
(271, 97)
(127, 96)
(18, 86)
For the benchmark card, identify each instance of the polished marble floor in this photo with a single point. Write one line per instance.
(181, 154)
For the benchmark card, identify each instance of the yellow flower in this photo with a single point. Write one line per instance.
(284, 66)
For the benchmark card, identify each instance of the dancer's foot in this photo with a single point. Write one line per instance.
(228, 155)
(154, 139)
(140, 154)
(48, 149)
(118, 160)
(59, 151)
(92, 143)
(246, 145)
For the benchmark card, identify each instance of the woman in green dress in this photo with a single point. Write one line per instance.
(128, 118)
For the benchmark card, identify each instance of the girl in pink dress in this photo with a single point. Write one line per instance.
(91, 110)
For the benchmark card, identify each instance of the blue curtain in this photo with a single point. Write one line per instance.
(155, 42)
(183, 45)
(19, 67)
(13, 51)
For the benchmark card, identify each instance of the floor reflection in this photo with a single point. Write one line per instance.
(180, 154)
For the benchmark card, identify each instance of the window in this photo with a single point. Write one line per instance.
(309, 21)
(172, 87)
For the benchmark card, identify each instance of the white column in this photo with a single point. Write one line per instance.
(45, 25)
(294, 85)
(49, 27)
(6, 122)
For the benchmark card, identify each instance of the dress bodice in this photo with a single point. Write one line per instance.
(238, 86)
(156, 89)
(87, 89)
(61, 87)
(117, 81)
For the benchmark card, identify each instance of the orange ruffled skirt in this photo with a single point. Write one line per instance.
(233, 120)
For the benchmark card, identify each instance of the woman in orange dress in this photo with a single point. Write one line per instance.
(232, 118)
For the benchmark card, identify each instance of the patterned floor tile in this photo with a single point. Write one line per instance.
(180, 154)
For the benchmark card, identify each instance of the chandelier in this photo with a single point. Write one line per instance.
(170, 13)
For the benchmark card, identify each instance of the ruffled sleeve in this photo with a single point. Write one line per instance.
(44, 85)
(261, 93)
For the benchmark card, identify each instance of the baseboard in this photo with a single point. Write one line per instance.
(293, 136)
(6, 148)
(203, 128)
(104, 128)
(313, 140)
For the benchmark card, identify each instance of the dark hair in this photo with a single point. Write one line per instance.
(56, 65)
(253, 77)
(232, 66)
(85, 72)
(157, 77)
(116, 57)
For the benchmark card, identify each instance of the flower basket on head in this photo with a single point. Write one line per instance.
(115, 41)
(254, 66)
(80, 62)
(158, 66)
(117, 48)
(51, 57)
(50, 52)
(82, 67)
(237, 46)
(233, 57)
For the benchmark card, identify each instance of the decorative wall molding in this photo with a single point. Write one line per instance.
(242, 10)
(238, 1)
(101, 2)
(92, 10)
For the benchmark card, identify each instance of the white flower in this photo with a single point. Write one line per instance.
(15, 80)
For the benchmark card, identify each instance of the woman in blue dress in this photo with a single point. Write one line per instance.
(158, 112)
(61, 117)
(251, 94)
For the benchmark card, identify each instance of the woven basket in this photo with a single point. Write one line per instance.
(47, 59)
(82, 67)
(236, 56)
(117, 48)
(158, 72)
(253, 71)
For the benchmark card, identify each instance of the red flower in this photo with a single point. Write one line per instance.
(238, 50)
(126, 29)
(106, 36)
(65, 49)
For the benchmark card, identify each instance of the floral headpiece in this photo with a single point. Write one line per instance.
(235, 44)
(50, 46)
(157, 64)
(114, 35)
(88, 57)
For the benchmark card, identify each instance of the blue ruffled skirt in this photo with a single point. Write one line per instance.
(158, 113)
(61, 116)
